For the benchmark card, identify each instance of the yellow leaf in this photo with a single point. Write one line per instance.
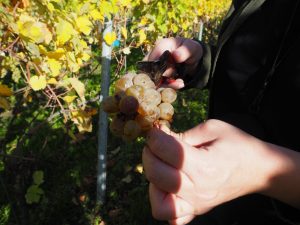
(151, 27)
(84, 56)
(42, 49)
(126, 51)
(72, 63)
(110, 37)
(38, 82)
(174, 28)
(78, 86)
(5, 91)
(35, 31)
(146, 1)
(64, 31)
(50, 7)
(139, 168)
(124, 32)
(52, 81)
(84, 25)
(96, 15)
(82, 121)
(143, 21)
(69, 98)
(54, 66)
(57, 54)
(142, 37)
(4, 104)
(125, 3)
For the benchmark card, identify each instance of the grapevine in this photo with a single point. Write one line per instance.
(47, 44)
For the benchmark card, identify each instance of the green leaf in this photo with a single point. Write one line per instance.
(33, 195)
(38, 177)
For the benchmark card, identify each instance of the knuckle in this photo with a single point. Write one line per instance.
(210, 125)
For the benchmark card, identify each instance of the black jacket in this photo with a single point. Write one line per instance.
(253, 75)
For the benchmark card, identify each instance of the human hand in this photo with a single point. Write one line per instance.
(183, 50)
(193, 172)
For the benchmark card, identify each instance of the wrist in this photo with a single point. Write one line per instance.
(281, 175)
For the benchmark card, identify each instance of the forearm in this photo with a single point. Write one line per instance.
(283, 175)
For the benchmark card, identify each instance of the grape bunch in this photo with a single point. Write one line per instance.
(138, 105)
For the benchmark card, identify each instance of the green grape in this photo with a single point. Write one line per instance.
(145, 122)
(136, 91)
(168, 95)
(123, 83)
(152, 96)
(149, 110)
(166, 111)
(143, 80)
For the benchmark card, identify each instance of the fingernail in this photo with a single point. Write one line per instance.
(176, 54)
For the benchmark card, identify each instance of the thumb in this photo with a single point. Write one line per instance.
(199, 135)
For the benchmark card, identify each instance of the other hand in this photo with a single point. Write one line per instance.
(192, 172)
(183, 50)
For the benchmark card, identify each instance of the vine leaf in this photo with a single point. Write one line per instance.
(34, 193)
(38, 82)
(54, 66)
(5, 91)
(110, 37)
(78, 86)
(38, 177)
(84, 25)
(64, 31)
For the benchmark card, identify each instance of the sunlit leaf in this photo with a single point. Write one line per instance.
(69, 98)
(38, 82)
(84, 24)
(96, 15)
(57, 54)
(139, 168)
(64, 31)
(110, 37)
(54, 66)
(78, 86)
(35, 31)
(124, 32)
(82, 121)
(126, 51)
(52, 81)
(142, 37)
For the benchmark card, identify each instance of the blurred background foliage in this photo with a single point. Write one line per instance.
(50, 75)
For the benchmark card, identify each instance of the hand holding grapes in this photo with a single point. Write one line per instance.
(210, 164)
(186, 51)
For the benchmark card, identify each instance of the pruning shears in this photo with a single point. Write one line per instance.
(155, 69)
